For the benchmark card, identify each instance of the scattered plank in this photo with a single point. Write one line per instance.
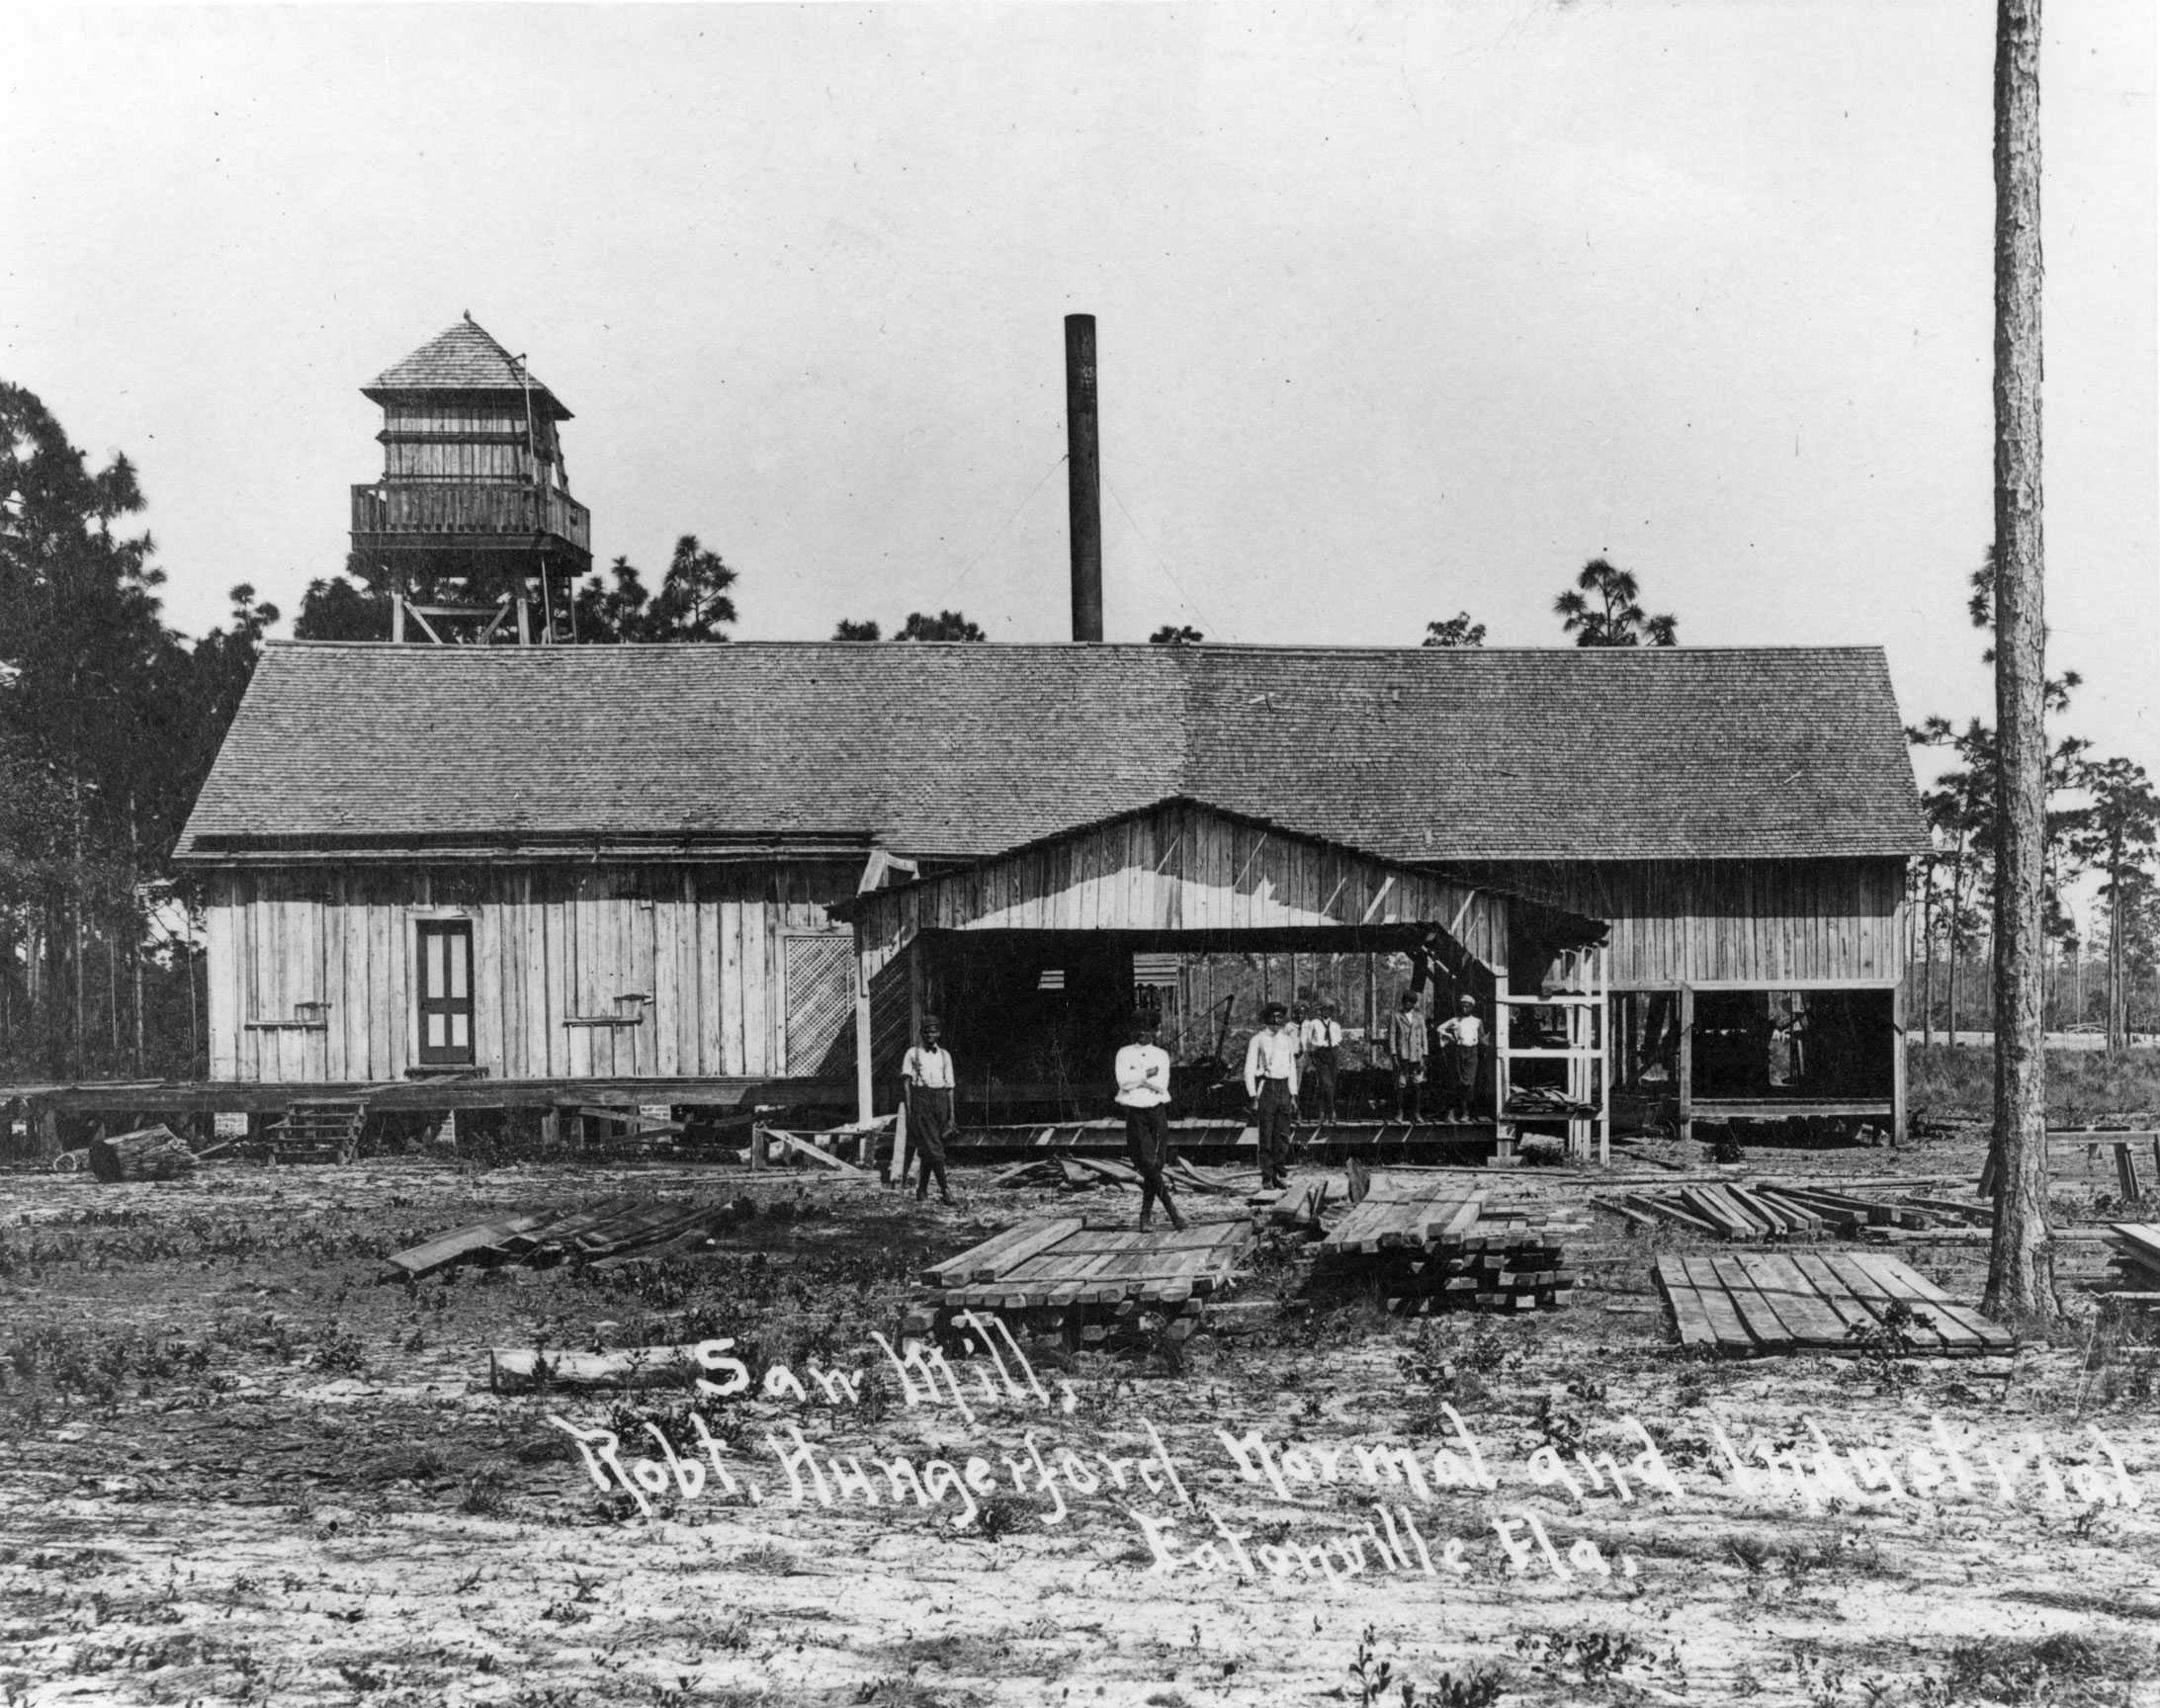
(521, 1371)
(447, 1248)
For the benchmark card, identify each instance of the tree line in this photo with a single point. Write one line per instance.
(2101, 820)
(110, 720)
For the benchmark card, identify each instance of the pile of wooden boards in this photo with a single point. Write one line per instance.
(1062, 1276)
(1769, 1211)
(1087, 1173)
(1439, 1245)
(1836, 1302)
(2136, 1261)
(147, 1154)
(615, 1230)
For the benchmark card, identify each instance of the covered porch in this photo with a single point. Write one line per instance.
(1035, 959)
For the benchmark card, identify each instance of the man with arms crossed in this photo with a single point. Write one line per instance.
(1143, 1096)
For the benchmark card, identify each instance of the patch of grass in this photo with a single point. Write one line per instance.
(487, 1493)
(2066, 1667)
(2082, 1084)
(766, 1561)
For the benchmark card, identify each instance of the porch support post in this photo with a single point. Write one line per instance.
(1897, 1062)
(1687, 1068)
(863, 1110)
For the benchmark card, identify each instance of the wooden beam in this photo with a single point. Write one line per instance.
(1685, 1071)
(864, 1112)
(1898, 1095)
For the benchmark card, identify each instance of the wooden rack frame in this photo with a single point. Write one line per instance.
(1584, 995)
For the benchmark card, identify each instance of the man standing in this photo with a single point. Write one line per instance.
(1144, 1094)
(926, 1073)
(1272, 1081)
(1407, 1044)
(1322, 1037)
(1464, 1036)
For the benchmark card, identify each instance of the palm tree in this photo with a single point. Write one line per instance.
(1616, 618)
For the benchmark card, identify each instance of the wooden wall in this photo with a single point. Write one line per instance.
(1764, 923)
(1180, 868)
(706, 944)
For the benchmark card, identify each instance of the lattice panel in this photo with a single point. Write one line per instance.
(818, 983)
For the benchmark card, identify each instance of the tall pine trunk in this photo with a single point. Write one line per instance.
(2119, 1007)
(1927, 953)
(2021, 1272)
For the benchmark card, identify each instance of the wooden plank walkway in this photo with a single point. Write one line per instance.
(1774, 1302)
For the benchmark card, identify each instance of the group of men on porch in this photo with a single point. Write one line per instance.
(1284, 1059)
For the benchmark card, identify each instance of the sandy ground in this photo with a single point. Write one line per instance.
(240, 1470)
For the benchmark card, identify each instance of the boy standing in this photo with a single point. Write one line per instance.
(1322, 1037)
(1464, 1037)
(1407, 1044)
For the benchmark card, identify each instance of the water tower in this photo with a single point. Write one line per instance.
(471, 530)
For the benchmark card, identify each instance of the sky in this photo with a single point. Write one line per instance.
(1402, 311)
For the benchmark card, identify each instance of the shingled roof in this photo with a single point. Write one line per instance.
(961, 752)
(464, 358)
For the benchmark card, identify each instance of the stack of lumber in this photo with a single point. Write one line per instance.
(147, 1154)
(318, 1131)
(1060, 1275)
(1837, 1302)
(2136, 1261)
(1438, 1245)
(613, 1232)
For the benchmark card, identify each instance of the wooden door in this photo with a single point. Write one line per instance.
(446, 993)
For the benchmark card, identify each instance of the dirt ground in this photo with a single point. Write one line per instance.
(238, 1469)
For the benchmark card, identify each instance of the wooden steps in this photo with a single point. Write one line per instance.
(318, 1131)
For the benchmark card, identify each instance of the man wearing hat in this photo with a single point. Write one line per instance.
(926, 1073)
(1143, 1070)
(1272, 1081)
(1464, 1037)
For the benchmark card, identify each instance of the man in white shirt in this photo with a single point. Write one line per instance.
(927, 1075)
(1143, 1071)
(1464, 1037)
(1322, 1037)
(1272, 1081)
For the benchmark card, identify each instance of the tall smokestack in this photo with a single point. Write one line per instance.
(1082, 459)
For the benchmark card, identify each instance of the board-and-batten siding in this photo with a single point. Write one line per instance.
(1185, 869)
(704, 945)
(1759, 922)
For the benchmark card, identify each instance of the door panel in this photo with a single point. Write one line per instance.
(446, 993)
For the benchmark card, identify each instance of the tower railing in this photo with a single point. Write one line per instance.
(469, 514)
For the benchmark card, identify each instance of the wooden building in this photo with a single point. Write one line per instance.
(696, 868)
